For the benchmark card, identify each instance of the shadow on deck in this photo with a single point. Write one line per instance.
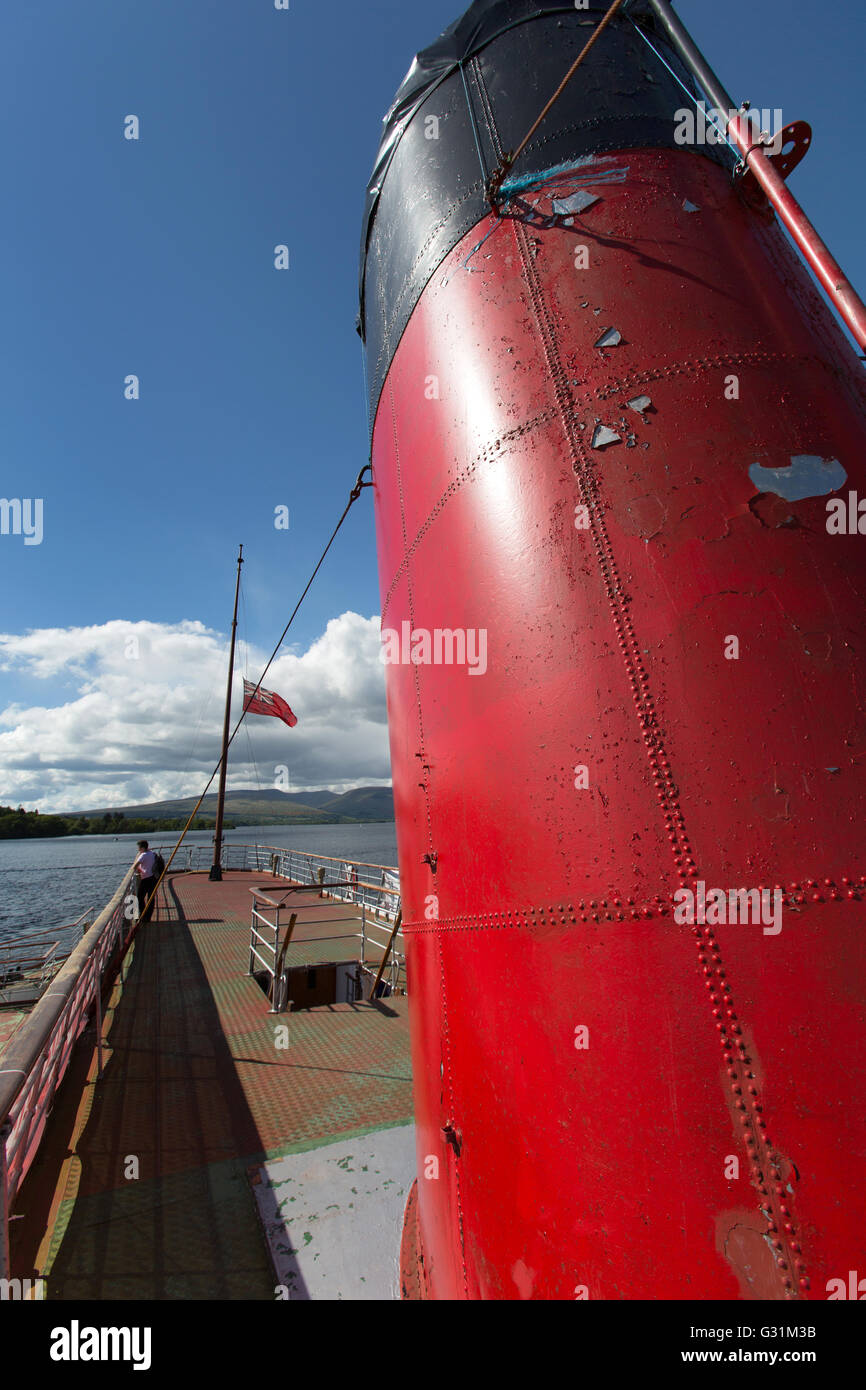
(141, 1189)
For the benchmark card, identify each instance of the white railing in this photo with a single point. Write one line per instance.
(27, 964)
(269, 949)
(265, 945)
(375, 886)
(33, 1065)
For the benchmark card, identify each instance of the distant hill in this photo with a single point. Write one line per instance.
(271, 807)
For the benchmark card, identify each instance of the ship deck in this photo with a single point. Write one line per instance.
(10, 1020)
(145, 1185)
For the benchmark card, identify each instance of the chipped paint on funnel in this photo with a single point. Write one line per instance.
(576, 202)
(609, 338)
(808, 476)
(603, 436)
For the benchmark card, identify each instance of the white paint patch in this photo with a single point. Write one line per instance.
(575, 202)
(609, 338)
(640, 404)
(602, 436)
(808, 476)
(333, 1216)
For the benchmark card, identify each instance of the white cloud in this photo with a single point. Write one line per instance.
(146, 718)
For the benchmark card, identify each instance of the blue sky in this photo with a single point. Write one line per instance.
(155, 257)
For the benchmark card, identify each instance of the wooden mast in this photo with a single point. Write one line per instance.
(216, 868)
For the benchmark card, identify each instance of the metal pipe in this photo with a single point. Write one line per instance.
(384, 960)
(99, 1025)
(276, 948)
(815, 252)
(826, 269)
(5, 1131)
(681, 40)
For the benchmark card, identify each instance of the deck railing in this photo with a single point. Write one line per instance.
(375, 886)
(27, 962)
(36, 1059)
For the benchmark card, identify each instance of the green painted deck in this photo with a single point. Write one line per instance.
(9, 1021)
(197, 1089)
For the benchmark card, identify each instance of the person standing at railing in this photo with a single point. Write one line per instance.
(145, 867)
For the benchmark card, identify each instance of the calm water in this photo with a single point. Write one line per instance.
(46, 884)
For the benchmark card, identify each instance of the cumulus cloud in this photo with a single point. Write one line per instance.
(145, 721)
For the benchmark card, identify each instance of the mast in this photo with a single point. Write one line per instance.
(216, 872)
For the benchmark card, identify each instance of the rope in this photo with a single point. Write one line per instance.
(691, 96)
(499, 174)
(471, 111)
(353, 497)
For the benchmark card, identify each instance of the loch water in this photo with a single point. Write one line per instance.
(47, 884)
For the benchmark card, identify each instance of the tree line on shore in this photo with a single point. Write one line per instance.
(28, 825)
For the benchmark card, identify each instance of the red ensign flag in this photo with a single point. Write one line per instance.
(267, 702)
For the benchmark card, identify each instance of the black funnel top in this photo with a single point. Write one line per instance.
(468, 99)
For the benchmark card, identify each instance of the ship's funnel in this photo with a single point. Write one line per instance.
(618, 449)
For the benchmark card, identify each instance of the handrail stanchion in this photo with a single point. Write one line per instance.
(397, 924)
(276, 953)
(5, 1131)
(98, 1024)
(280, 1000)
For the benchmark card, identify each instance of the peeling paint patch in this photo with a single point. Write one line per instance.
(603, 436)
(609, 338)
(772, 511)
(808, 476)
(773, 806)
(523, 1278)
(645, 516)
(575, 202)
(330, 1249)
(741, 1239)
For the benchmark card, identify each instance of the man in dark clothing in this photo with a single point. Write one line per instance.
(144, 867)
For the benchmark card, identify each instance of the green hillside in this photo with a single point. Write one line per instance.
(270, 807)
